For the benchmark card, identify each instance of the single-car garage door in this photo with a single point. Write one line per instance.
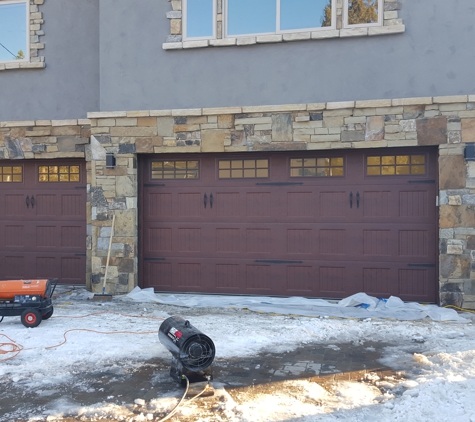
(314, 224)
(43, 220)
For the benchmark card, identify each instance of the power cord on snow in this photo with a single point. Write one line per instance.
(16, 348)
(175, 409)
(460, 309)
(98, 332)
(12, 348)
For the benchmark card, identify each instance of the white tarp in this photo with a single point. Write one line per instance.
(359, 305)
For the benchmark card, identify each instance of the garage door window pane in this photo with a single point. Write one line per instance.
(400, 165)
(418, 159)
(403, 170)
(337, 171)
(418, 170)
(239, 169)
(317, 167)
(175, 169)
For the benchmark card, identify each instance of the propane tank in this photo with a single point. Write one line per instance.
(192, 351)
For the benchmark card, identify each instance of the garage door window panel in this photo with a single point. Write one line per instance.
(396, 165)
(58, 174)
(317, 167)
(183, 169)
(11, 174)
(243, 169)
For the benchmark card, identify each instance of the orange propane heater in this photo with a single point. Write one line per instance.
(30, 299)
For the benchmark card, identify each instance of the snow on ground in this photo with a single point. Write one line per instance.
(440, 386)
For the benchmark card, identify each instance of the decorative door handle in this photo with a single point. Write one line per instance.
(211, 200)
(27, 201)
(205, 200)
(357, 199)
(33, 201)
(351, 199)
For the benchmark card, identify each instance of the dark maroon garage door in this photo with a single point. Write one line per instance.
(43, 220)
(314, 224)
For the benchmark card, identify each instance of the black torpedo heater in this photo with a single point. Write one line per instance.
(193, 352)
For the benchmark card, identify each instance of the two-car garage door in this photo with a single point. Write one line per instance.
(322, 224)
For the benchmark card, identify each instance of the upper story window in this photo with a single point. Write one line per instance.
(250, 17)
(244, 17)
(253, 17)
(14, 32)
(203, 23)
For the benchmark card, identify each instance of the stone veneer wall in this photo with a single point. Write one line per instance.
(392, 24)
(445, 122)
(35, 60)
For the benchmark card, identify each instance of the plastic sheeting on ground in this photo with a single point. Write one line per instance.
(359, 305)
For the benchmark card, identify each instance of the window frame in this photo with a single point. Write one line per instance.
(27, 30)
(277, 31)
(346, 25)
(185, 23)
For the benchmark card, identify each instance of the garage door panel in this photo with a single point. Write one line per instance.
(159, 274)
(14, 205)
(333, 279)
(416, 283)
(13, 267)
(258, 204)
(333, 241)
(300, 241)
(12, 235)
(333, 204)
(301, 280)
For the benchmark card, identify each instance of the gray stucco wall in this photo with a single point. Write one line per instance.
(69, 85)
(435, 56)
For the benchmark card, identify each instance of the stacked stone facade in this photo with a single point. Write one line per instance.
(447, 123)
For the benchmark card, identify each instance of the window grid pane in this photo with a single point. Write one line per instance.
(363, 12)
(243, 169)
(181, 169)
(58, 174)
(320, 167)
(395, 165)
(304, 14)
(11, 174)
(199, 18)
(13, 31)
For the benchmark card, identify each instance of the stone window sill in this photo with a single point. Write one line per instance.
(297, 36)
(22, 65)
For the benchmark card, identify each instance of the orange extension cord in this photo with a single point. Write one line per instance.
(13, 347)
